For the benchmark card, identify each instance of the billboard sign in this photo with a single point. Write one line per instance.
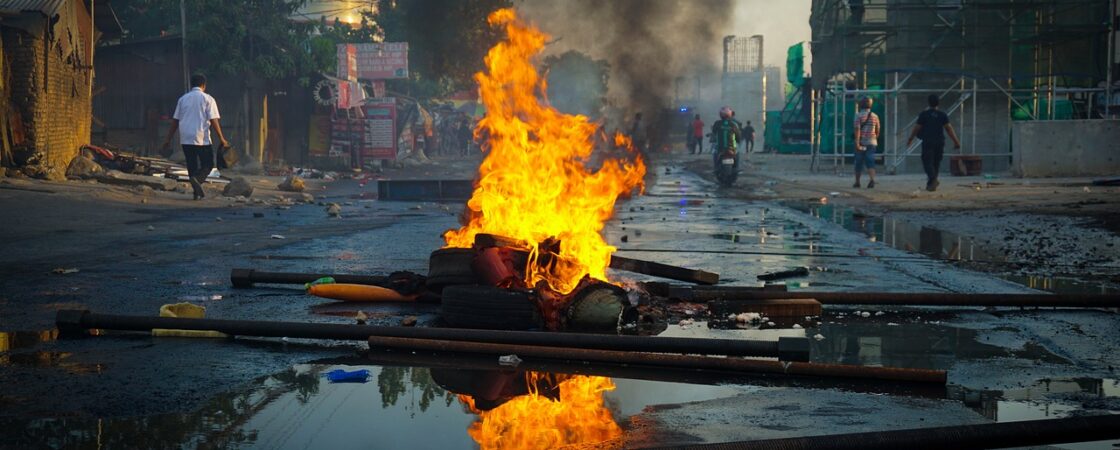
(373, 61)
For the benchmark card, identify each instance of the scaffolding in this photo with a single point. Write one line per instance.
(990, 62)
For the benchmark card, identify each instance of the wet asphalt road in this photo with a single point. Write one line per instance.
(134, 391)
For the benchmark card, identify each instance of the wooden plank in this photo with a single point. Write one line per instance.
(663, 270)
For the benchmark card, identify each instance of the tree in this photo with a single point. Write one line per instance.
(447, 41)
(248, 37)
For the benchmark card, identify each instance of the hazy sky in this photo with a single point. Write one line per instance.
(781, 23)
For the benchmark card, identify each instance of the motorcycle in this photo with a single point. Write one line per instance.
(727, 167)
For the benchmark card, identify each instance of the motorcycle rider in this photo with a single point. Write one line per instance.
(726, 134)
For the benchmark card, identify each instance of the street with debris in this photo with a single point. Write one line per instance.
(482, 225)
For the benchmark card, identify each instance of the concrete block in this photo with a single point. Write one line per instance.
(1065, 148)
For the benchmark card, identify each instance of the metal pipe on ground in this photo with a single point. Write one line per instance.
(74, 322)
(981, 436)
(903, 299)
(749, 366)
(244, 278)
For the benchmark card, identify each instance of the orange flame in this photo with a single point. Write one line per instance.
(533, 421)
(534, 183)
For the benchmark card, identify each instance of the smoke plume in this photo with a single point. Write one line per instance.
(648, 43)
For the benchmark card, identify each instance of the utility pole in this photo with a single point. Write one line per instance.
(183, 36)
(1111, 57)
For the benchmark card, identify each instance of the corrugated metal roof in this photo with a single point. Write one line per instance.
(48, 7)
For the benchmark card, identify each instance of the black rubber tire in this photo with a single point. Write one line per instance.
(489, 307)
(450, 267)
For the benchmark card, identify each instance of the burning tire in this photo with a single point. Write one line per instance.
(597, 307)
(489, 307)
(450, 267)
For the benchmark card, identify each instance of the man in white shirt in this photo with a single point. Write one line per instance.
(195, 114)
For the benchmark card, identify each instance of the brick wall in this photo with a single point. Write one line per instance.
(50, 90)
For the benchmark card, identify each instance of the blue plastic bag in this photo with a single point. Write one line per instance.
(343, 376)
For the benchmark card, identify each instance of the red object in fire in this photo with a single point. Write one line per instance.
(495, 266)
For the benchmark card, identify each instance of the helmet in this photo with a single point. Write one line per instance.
(726, 112)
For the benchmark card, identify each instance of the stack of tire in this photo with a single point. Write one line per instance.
(466, 303)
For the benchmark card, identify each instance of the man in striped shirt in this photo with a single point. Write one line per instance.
(867, 141)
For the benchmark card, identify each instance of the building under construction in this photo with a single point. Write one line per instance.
(1000, 67)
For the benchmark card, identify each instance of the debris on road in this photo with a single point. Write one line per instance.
(292, 184)
(64, 271)
(185, 311)
(352, 376)
(278, 236)
(796, 272)
(83, 168)
(126, 179)
(238, 187)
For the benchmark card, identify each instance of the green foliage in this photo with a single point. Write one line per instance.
(447, 41)
(255, 38)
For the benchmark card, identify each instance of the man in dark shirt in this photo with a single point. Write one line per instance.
(748, 138)
(931, 128)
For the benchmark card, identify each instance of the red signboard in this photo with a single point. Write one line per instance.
(380, 137)
(373, 61)
(367, 138)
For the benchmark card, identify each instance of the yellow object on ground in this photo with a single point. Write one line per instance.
(358, 293)
(186, 311)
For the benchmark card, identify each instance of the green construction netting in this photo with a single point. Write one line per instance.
(795, 65)
(773, 134)
(831, 115)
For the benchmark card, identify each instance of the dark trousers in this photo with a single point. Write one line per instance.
(696, 145)
(931, 159)
(749, 145)
(200, 161)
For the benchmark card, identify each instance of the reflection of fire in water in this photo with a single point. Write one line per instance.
(534, 184)
(536, 421)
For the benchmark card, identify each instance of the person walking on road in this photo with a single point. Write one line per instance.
(748, 138)
(638, 133)
(931, 127)
(867, 141)
(196, 114)
(696, 136)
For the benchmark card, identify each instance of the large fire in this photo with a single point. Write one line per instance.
(534, 421)
(534, 184)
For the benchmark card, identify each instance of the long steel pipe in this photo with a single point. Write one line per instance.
(243, 278)
(70, 321)
(918, 299)
(981, 436)
(750, 366)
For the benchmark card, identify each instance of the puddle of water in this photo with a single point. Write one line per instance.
(199, 298)
(400, 407)
(15, 340)
(938, 244)
(1047, 399)
(876, 342)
